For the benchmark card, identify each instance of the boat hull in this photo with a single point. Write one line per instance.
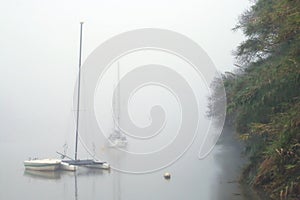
(43, 168)
(67, 167)
(42, 165)
(118, 143)
(88, 164)
(99, 166)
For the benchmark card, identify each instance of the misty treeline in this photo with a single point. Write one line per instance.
(263, 96)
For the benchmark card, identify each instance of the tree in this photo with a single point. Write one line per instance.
(263, 96)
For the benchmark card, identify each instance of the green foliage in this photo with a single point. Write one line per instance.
(263, 96)
(270, 26)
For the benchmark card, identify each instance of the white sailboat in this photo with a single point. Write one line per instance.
(67, 164)
(117, 138)
(71, 164)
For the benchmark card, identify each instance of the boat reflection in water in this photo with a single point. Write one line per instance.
(82, 171)
(61, 174)
(42, 174)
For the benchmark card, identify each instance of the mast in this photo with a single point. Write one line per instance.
(78, 92)
(118, 99)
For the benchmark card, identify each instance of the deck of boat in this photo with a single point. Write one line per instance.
(83, 162)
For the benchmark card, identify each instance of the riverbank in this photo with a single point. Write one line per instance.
(263, 96)
(231, 161)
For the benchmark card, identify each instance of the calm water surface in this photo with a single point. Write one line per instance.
(213, 178)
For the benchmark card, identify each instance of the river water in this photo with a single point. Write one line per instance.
(213, 178)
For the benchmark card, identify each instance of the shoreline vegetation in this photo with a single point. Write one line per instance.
(263, 97)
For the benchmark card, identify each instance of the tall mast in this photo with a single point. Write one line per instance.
(78, 92)
(119, 95)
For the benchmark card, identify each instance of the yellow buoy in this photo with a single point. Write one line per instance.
(167, 175)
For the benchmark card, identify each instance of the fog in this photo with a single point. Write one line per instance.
(39, 46)
(39, 53)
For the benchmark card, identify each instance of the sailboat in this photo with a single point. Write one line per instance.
(71, 164)
(67, 164)
(117, 138)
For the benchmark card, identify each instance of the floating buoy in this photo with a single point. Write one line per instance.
(167, 175)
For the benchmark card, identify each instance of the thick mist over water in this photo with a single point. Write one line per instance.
(39, 55)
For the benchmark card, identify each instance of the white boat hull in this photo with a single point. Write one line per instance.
(67, 167)
(42, 164)
(99, 166)
(89, 163)
(118, 143)
(43, 168)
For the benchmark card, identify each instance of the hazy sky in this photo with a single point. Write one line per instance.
(36, 32)
(39, 47)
